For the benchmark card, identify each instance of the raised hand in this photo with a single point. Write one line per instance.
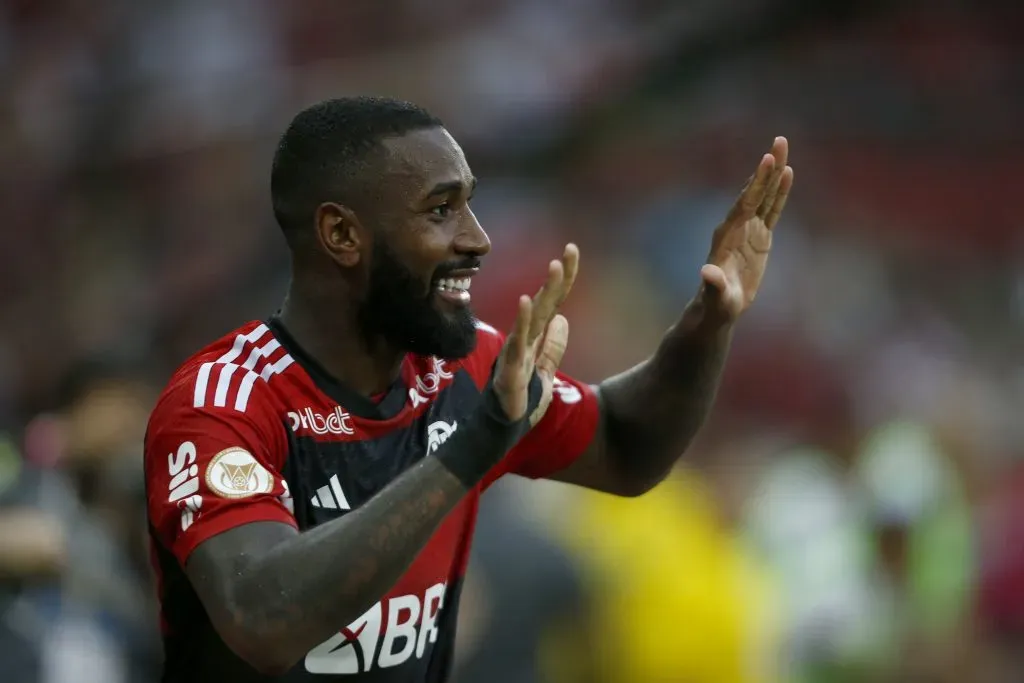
(537, 341)
(740, 245)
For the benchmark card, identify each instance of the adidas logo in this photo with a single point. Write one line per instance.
(331, 496)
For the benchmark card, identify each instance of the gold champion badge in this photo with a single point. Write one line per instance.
(235, 473)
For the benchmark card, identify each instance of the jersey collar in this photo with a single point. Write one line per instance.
(349, 399)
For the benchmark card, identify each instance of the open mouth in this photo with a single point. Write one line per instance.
(454, 289)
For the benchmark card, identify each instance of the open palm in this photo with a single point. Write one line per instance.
(741, 244)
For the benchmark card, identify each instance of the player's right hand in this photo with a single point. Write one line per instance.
(537, 342)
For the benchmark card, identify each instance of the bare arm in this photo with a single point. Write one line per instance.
(651, 413)
(273, 593)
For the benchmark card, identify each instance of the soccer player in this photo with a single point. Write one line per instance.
(313, 479)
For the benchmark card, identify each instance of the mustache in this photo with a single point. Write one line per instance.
(445, 269)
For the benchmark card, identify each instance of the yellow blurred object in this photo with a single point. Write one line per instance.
(677, 596)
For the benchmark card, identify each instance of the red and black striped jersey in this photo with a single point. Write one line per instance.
(252, 429)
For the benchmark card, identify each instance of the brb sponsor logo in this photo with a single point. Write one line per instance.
(337, 422)
(409, 622)
(183, 489)
(429, 384)
(438, 432)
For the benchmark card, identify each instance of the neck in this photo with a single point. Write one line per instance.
(368, 366)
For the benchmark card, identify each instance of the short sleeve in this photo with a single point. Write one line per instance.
(210, 469)
(565, 431)
(561, 436)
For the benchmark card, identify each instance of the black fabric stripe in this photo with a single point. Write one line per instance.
(365, 467)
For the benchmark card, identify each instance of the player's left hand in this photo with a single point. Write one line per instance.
(537, 341)
(549, 357)
(740, 245)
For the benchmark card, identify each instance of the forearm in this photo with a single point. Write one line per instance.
(306, 587)
(653, 411)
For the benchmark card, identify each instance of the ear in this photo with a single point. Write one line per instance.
(340, 234)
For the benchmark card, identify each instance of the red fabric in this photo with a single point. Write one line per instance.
(192, 431)
(565, 431)
(182, 441)
(1001, 581)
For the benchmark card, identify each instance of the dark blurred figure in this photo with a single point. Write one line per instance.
(103, 626)
(522, 595)
(1001, 583)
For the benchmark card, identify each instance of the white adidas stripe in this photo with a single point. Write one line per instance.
(325, 499)
(481, 325)
(253, 336)
(244, 375)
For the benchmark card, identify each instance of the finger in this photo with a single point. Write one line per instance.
(545, 303)
(517, 346)
(753, 194)
(545, 402)
(714, 279)
(555, 291)
(570, 267)
(715, 293)
(785, 185)
(552, 349)
(780, 151)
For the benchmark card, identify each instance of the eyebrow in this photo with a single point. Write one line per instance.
(450, 186)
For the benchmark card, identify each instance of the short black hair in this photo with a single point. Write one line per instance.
(326, 145)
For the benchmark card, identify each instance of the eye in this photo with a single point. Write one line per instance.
(441, 210)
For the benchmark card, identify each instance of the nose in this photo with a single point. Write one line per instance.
(471, 239)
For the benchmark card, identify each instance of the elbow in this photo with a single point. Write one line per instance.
(269, 654)
(270, 661)
(273, 669)
(636, 461)
(627, 478)
(636, 486)
(266, 657)
(635, 475)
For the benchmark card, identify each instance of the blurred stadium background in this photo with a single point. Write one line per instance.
(853, 512)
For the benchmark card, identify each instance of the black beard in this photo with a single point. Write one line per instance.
(396, 310)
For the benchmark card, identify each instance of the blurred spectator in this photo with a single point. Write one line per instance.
(522, 598)
(677, 594)
(104, 627)
(33, 554)
(1000, 607)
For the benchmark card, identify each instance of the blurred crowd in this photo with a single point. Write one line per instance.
(853, 512)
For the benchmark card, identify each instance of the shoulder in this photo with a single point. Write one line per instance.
(489, 341)
(489, 332)
(227, 380)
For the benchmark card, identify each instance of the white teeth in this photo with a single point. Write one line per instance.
(460, 284)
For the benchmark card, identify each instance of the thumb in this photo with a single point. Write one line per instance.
(713, 277)
(556, 340)
(713, 285)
